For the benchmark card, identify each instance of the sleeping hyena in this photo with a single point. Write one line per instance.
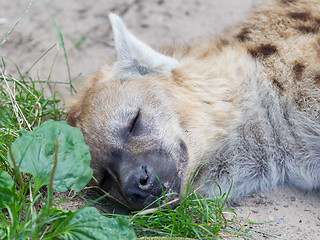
(242, 110)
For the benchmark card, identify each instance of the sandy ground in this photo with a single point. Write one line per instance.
(291, 214)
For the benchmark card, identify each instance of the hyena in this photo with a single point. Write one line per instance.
(240, 110)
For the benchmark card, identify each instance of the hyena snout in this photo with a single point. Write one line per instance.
(142, 186)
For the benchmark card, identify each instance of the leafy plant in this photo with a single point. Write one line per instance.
(53, 155)
(35, 153)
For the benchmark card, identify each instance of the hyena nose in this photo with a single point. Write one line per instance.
(146, 178)
(142, 187)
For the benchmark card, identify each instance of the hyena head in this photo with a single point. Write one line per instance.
(127, 116)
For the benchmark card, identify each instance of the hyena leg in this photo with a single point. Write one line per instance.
(305, 175)
(304, 170)
(242, 180)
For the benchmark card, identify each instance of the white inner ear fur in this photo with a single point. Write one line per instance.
(136, 57)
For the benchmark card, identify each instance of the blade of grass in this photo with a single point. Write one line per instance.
(16, 168)
(64, 49)
(11, 30)
(42, 55)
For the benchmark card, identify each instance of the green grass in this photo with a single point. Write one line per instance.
(23, 106)
(195, 217)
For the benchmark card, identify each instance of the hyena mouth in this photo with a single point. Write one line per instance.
(172, 195)
(175, 180)
(182, 160)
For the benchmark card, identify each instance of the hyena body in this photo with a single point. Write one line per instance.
(241, 110)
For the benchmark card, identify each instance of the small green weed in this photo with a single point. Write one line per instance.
(78, 42)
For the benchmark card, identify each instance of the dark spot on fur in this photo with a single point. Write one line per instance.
(317, 20)
(224, 42)
(264, 50)
(243, 35)
(207, 102)
(317, 80)
(288, 1)
(253, 53)
(298, 69)
(278, 84)
(307, 29)
(222, 169)
(303, 16)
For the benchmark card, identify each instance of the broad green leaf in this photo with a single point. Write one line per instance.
(88, 223)
(7, 191)
(34, 154)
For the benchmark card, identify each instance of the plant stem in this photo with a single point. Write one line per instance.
(16, 170)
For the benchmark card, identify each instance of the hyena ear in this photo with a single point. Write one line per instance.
(136, 58)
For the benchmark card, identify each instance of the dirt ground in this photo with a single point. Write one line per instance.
(88, 40)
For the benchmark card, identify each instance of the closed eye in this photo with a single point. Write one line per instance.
(134, 122)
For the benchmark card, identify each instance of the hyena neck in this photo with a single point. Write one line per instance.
(211, 91)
